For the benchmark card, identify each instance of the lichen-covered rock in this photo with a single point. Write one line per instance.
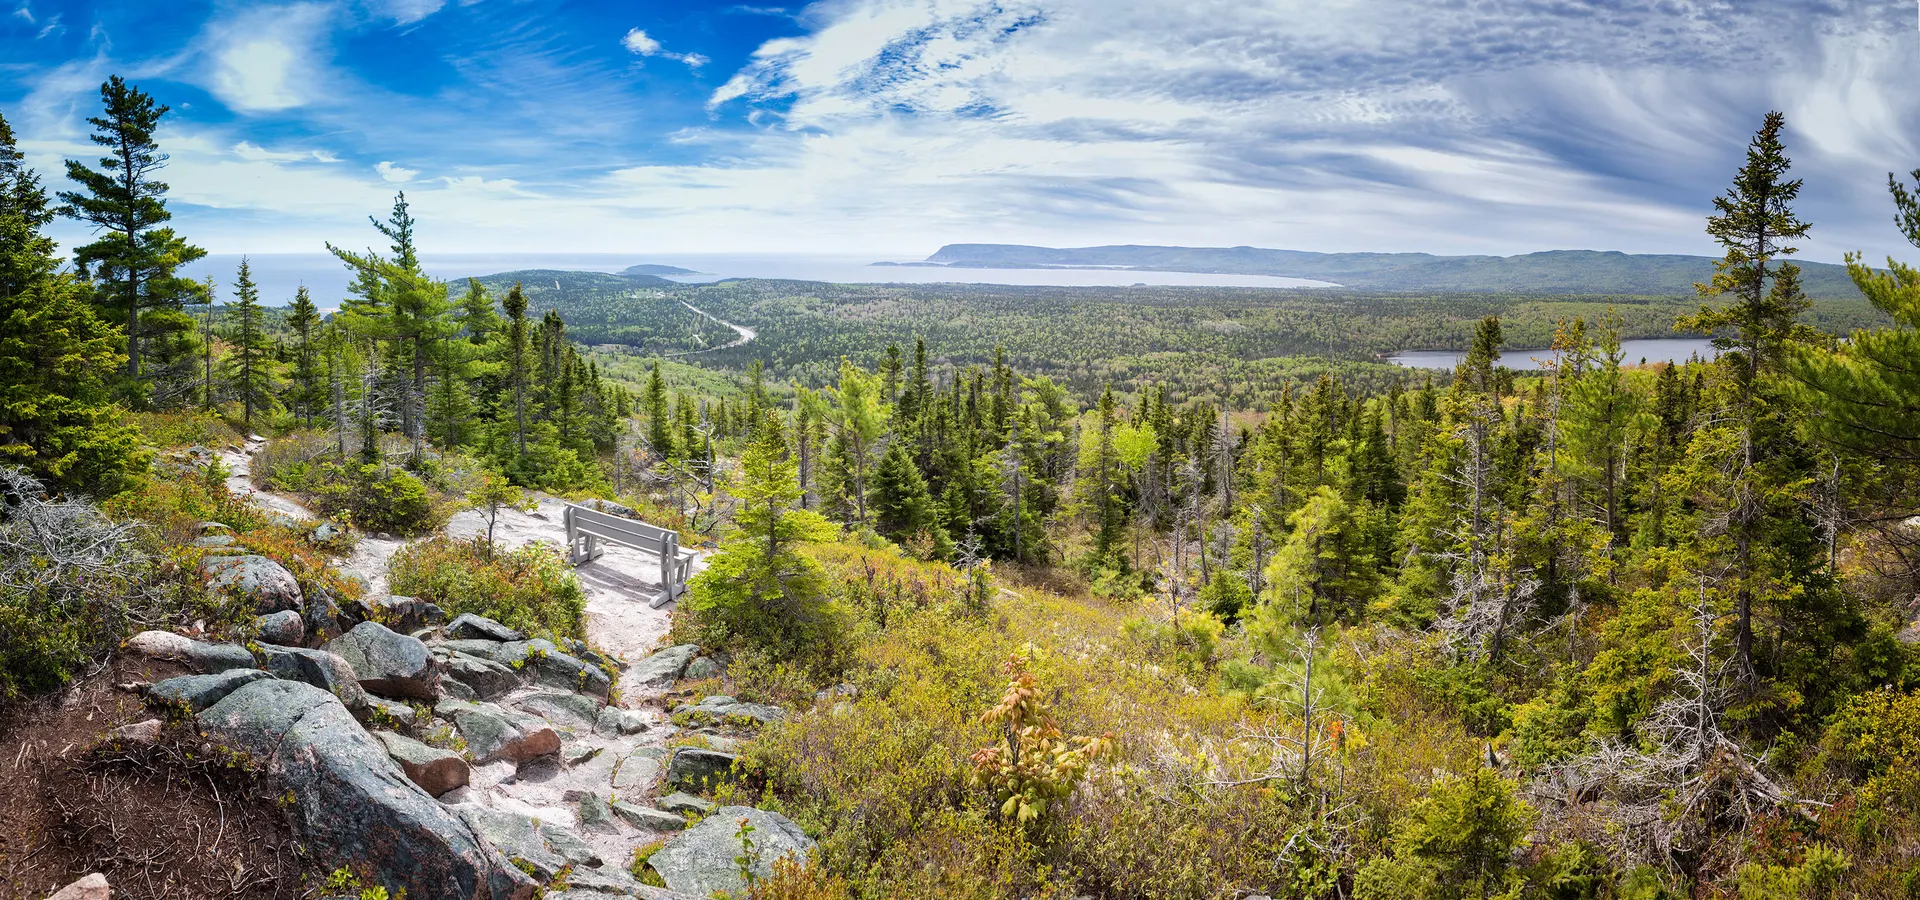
(198, 692)
(326, 671)
(484, 677)
(697, 769)
(684, 804)
(596, 816)
(352, 804)
(493, 733)
(202, 657)
(720, 709)
(703, 667)
(517, 836)
(561, 707)
(637, 772)
(649, 819)
(266, 583)
(662, 668)
(555, 668)
(401, 613)
(471, 627)
(436, 771)
(388, 663)
(614, 722)
(701, 860)
(285, 628)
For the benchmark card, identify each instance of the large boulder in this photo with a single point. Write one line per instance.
(389, 663)
(648, 819)
(436, 771)
(492, 732)
(701, 860)
(286, 628)
(350, 802)
(198, 692)
(401, 613)
(555, 668)
(697, 769)
(637, 771)
(471, 627)
(616, 722)
(662, 668)
(266, 583)
(519, 837)
(485, 677)
(562, 707)
(326, 671)
(202, 657)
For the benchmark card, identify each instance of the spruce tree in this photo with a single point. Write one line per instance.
(903, 507)
(304, 318)
(518, 366)
(249, 367)
(1755, 222)
(56, 356)
(659, 420)
(135, 259)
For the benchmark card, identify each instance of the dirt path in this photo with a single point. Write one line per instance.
(746, 334)
(239, 465)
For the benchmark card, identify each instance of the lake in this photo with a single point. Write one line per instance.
(1649, 350)
(279, 274)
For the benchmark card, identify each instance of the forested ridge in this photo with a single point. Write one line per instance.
(1074, 593)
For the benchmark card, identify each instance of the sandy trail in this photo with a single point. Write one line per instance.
(239, 465)
(747, 334)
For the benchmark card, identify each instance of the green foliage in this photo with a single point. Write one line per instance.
(530, 588)
(759, 590)
(1457, 843)
(1817, 877)
(373, 498)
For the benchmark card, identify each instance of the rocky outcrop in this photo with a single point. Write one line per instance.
(662, 668)
(494, 733)
(389, 663)
(471, 627)
(700, 860)
(648, 819)
(401, 613)
(326, 671)
(351, 803)
(285, 628)
(694, 768)
(486, 678)
(202, 657)
(197, 692)
(436, 771)
(684, 804)
(555, 667)
(266, 583)
(720, 709)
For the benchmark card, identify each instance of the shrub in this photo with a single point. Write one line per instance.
(530, 588)
(70, 581)
(1456, 843)
(378, 498)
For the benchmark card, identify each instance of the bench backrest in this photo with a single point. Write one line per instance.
(607, 527)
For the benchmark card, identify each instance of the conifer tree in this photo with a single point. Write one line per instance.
(659, 421)
(135, 259)
(1755, 222)
(903, 507)
(304, 318)
(56, 355)
(517, 365)
(249, 367)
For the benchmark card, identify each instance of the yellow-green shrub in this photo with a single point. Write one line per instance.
(530, 588)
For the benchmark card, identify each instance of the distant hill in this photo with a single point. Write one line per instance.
(1549, 272)
(651, 269)
(536, 280)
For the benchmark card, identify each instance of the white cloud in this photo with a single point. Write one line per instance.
(252, 152)
(25, 12)
(394, 174)
(52, 27)
(267, 59)
(638, 42)
(407, 12)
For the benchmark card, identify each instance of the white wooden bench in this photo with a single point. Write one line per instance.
(586, 528)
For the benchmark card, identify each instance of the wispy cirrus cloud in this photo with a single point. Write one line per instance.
(639, 43)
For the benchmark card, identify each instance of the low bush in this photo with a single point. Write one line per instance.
(530, 588)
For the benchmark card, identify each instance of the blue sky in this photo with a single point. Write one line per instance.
(890, 127)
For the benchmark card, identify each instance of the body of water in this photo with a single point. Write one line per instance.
(280, 274)
(1633, 353)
